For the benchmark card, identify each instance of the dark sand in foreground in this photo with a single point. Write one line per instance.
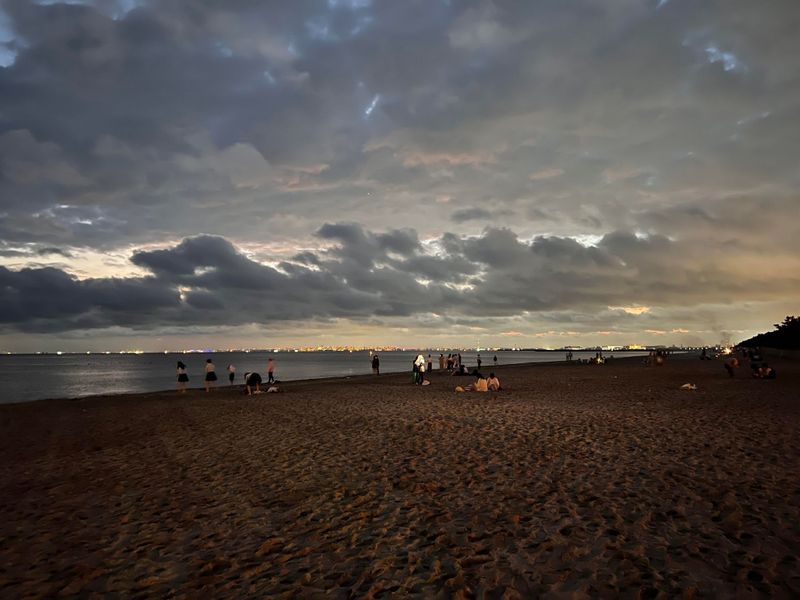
(578, 481)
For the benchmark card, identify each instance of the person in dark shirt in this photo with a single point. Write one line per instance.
(252, 381)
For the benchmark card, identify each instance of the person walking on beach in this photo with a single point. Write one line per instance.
(441, 362)
(495, 360)
(270, 370)
(183, 378)
(211, 375)
(231, 373)
(450, 363)
(430, 363)
(479, 362)
(376, 365)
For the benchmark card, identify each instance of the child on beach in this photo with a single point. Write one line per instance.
(231, 373)
(270, 370)
(211, 375)
(182, 377)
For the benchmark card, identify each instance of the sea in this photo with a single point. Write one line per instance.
(28, 377)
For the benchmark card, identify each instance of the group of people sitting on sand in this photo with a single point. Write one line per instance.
(482, 383)
(758, 368)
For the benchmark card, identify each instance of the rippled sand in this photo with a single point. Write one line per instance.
(576, 481)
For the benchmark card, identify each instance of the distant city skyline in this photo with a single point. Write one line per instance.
(367, 173)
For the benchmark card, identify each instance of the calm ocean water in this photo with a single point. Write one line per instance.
(26, 377)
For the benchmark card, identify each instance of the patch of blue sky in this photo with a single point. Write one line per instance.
(372, 105)
(728, 59)
(320, 30)
(7, 55)
(223, 49)
(8, 45)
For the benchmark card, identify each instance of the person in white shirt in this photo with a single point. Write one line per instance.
(419, 364)
(231, 373)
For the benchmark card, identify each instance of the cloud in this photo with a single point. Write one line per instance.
(662, 135)
(206, 279)
(470, 214)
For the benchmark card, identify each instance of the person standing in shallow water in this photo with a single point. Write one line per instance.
(211, 375)
(376, 365)
(270, 370)
(183, 378)
(231, 373)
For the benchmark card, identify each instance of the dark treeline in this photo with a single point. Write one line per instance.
(785, 337)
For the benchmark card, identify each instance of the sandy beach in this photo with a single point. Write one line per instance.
(574, 482)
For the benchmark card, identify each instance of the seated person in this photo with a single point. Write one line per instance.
(462, 371)
(252, 380)
(766, 372)
(480, 385)
(493, 383)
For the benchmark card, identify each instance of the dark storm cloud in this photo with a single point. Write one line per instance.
(120, 105)
(470, 214)
(206, 280)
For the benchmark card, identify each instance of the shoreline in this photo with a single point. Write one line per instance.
(222, 385)
(580, 481)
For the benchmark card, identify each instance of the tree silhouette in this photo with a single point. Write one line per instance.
(785, 337)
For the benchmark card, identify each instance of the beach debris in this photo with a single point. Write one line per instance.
(688, 386)
(459, 388)
(272, 389)
(426, 382)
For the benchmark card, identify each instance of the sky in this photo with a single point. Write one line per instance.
(432, 173)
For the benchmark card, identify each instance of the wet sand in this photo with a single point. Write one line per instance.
(574, 482)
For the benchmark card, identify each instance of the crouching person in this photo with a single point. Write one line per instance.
(252, 383)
